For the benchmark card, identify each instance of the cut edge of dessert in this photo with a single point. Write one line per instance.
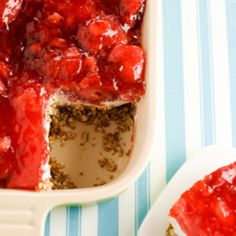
(208, 207)
(52, 173)
(63, 113)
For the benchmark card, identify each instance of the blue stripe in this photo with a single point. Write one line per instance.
(74, 221)
(47, 225)
(108, 218)
(231, 26)
(174, 87)
(67, 221)
(142, 198)
(206, 77)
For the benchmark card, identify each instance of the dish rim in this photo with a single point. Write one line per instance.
(116, 187)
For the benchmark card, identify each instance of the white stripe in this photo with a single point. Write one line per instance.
(158, 163)
(58, 222)
(89, 221)
(221, 72)
(127, 212)
(191, 76)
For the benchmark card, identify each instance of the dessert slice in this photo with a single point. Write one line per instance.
(208, 207)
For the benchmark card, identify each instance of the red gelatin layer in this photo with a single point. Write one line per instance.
(209, 207)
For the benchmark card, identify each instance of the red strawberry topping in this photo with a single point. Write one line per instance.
(101, 34)
(209, 207)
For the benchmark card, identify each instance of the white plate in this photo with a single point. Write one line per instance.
(203, 163)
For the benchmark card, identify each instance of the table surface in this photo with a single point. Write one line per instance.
(196, 105)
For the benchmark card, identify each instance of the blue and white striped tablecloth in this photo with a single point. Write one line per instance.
(196, 105)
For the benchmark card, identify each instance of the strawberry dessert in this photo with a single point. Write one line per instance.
(75, 51)
(209, 207)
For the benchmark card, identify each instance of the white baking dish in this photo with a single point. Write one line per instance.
(24, 213)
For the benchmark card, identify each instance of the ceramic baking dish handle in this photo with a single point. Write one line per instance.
(21, 215)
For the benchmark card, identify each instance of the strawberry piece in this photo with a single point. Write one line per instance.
(5, 144)
(100, 35)
(33, 51)
(4, 70)
(7, 165)
(40, 32)
(90, 65)
(90, 88)
(31, 138)
(7, 160)
(55, 19)
(5, 122)
(9, 10)
(63, 66)
(3, 88)
(74, 11)
(110, 7)
(60, 66)
(58, 43)
(89, 70)
(91, 81)
(130, 11)
(129, 63)
(223, 212)
(209, 207)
